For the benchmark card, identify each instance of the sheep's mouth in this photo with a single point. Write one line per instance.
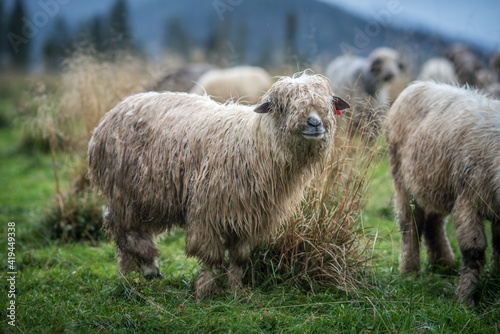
(314, 135)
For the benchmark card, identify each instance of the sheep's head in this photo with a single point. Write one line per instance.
(385, 65)
(303, 107)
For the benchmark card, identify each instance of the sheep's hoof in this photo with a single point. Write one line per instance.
(200, 295)
(410, 273)
(469, 301)
(205, 285)
(235, 284)
(466, 294)
(157, 276)
(152, 273)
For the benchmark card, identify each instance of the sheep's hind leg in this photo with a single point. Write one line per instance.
(472, 240)
(410, 218)
(239, 255)
(136, 249)
(438, 246)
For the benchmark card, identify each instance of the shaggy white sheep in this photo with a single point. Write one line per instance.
(364, 82)
(438, 70)
(226, 173)
(444, 149)
(242, 84)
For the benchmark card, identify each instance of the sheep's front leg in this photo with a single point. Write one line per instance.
(472, 240)
(205, 284)
(207, 247)
(239, 256)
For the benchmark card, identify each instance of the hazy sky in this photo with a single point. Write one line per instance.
(477, 20)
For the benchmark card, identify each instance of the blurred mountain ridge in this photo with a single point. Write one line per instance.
(315, 30)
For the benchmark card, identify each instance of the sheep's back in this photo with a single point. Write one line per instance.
(150, 146)
(175, 158)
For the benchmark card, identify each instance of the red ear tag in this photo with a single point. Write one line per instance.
(338, 112)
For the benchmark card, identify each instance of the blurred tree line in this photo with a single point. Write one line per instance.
(103, 34)
(226, 43)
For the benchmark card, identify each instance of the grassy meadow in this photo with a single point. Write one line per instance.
(69, 286)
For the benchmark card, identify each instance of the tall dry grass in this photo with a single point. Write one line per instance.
(91, 85)
(324, 243)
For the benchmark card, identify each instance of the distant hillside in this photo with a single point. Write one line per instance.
(323, 30)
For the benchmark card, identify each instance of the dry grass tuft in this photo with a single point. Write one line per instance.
(321, 244)
(80, 218)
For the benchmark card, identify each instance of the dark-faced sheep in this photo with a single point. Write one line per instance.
(180, 79)
(226, 173)
(494, 65)
(242, 84)
(466, 63)
(365, 83)
(444, 149)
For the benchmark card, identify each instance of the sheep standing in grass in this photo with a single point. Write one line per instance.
(365, 83)
(226, 173)
(444, 149)
(244, 84)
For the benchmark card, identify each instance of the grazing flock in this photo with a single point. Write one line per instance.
(226, 153)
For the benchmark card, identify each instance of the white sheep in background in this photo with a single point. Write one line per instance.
(444, 150)
(365, 83)
(242, 84)
(228, 173)
(438, 70)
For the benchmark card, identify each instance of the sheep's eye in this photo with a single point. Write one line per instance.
(376, 66)
(401, 66)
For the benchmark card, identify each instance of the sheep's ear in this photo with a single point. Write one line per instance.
(339, 104)
(263, 108)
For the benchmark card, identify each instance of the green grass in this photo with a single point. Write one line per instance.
(75, 288)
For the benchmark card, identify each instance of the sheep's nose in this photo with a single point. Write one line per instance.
(313, 121)
(388, 77)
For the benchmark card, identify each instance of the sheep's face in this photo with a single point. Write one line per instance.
(302, 107)
(385, 65)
